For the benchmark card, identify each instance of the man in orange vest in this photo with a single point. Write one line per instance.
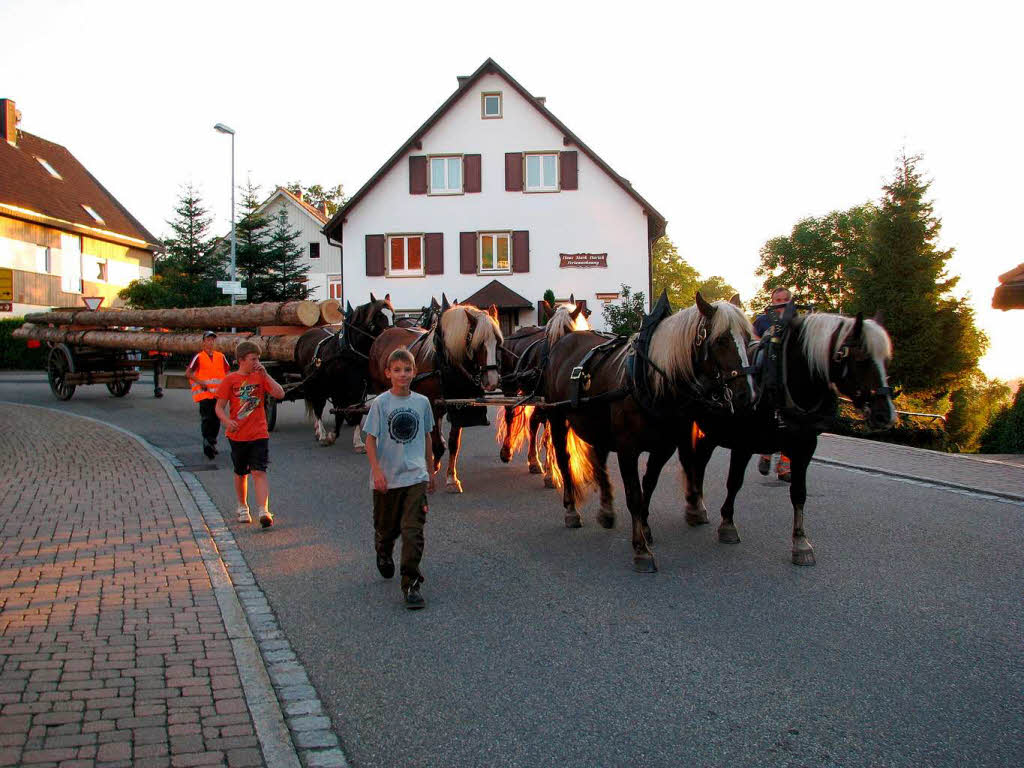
(206, 371)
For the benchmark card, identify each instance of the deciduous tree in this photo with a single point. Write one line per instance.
(624, 317)
(316, 195)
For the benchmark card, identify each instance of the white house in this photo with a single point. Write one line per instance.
(321, 256)
(494, 199)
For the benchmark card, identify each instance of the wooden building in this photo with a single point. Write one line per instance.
(1010, 291)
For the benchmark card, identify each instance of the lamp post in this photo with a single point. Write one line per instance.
(220, 127)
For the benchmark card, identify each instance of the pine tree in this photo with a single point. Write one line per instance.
(904, 277)
(252, 234)
(288, 272)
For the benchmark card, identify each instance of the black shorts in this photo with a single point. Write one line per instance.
(250, 455)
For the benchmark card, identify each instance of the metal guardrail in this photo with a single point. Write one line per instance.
(930, 416)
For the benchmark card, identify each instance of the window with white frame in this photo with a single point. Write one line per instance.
(495, 253)
(541, 173)
(490, 105)
(405, 255)
(43, 259)
(446, 175)
(334, 287)
(94, 268)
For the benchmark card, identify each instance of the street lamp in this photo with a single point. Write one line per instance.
(221, 128)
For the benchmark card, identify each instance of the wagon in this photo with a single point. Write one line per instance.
(70, 366)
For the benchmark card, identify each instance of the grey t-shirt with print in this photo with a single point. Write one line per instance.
(400, 425)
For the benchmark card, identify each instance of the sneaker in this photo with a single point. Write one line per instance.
(243, 514)
(209, 450)
(386, 565)
(266, 519)
(413, 599)
(764, 464)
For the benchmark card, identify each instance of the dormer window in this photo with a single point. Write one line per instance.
(49, 168)
(446, 175)
(490, 106)
(91, 212)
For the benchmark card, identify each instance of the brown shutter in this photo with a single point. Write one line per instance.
(470, 173)
(567, 170)
(375, 255)
(435, 253)
(417, 174)
(521, 251)
(513, 171)
(467, 253)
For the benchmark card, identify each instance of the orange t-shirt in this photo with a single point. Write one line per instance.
(245, 394)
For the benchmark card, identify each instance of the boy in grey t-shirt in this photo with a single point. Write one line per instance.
(401, 473)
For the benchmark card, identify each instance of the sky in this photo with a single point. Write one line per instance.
(735, 120)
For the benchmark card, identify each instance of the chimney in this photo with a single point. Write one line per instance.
(323, 209)
(9, 117)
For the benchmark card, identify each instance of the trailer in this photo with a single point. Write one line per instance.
(69, 366)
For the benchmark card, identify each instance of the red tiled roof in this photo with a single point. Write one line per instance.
(1010, 295)
(312, 209)
(499, 294)
(25, 184)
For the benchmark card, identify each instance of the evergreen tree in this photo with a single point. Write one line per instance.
(819, 260)
(253, 263)
(904, 277)
(288, 272)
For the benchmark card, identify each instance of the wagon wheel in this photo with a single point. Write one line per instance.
(119, 388)
(270, 408)
(58, 366)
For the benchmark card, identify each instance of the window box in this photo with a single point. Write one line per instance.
(405, 255)
(446, 175)
(490, 105)
(495, 252)
(541, 172)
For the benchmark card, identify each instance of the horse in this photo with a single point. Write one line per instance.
(822, 353)
(632, 399)
(457, 358)
(333, 362)
(425, 319)
(523, 356)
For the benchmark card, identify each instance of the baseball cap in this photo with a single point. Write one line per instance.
(208, 334)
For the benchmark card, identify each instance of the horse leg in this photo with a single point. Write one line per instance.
(319, 430)
(606, 517)
(643, 557)
(506, 445)
(559, 431)
(452, 484)
(436, 441)
(694, 456)
(655, 462)
(545, 443)
(727, 533)
(800, 458)
(357, 436)
(531, 455)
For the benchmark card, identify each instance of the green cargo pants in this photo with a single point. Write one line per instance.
(401, 511)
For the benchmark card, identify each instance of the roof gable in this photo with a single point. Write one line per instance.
(333, 228)
(297, 202)
(28, 188)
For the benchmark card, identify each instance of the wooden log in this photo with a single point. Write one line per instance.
(330, 312)
(100, 377)
(281, 348)
(303, 313)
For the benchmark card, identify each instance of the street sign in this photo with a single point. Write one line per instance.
(6, 284)
(6, 306)
(93, 302)
(231, 287)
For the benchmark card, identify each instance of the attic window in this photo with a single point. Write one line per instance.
(91, 212)
(49, 168)
(490, 106)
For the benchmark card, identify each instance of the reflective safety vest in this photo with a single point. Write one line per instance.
(209, 370)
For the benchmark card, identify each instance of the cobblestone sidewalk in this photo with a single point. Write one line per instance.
(115, 647)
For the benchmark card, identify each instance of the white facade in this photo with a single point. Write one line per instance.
(599, 217)
(324, 276)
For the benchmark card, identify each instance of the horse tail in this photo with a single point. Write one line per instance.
(582, 459)
(512, 433)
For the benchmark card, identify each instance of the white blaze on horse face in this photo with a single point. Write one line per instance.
(884, 378)
(390, 315)
(742, 349)
(491, 380)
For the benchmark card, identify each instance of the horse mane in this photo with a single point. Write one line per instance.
(455, 328)
(562, 323)
(816, 333)
(671, 346)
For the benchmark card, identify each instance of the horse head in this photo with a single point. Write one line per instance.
(566, 319)
(859, 351)
(471, 339)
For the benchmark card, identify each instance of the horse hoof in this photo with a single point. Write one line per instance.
(727, 534)
(549, 483)
(802, 553)
(606, 519)
(455, 487)
(644, 564)
(700, 517)
(573, 520)
(505, 458)
(360, 449)
(535, 469)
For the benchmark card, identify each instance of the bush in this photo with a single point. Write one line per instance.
(1005, 433)
(626, 317)
(907, 431)
(14, 353)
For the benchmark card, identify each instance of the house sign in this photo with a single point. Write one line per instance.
(583, 260)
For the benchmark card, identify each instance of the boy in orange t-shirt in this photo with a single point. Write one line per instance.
(240, 399)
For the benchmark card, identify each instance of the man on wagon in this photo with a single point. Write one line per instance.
(206, 371)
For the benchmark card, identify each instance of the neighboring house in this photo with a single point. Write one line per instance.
(495, 199)
(1009, 294)
(61, 233)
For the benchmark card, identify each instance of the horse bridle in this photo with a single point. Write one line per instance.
(722, 398)
(841, 357)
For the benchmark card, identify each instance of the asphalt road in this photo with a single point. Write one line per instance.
(541, 647)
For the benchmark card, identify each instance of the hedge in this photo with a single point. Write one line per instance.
(14, 353)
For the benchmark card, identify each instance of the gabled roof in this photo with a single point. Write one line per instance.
(500, 295)
(28, 191)
(1010, 295)
(316, 213)
(655, 221)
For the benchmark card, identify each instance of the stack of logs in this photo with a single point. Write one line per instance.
(279, 327)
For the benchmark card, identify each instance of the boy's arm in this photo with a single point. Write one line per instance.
(276, 390)
(429, 455)
(380, 482)
(225, 415)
